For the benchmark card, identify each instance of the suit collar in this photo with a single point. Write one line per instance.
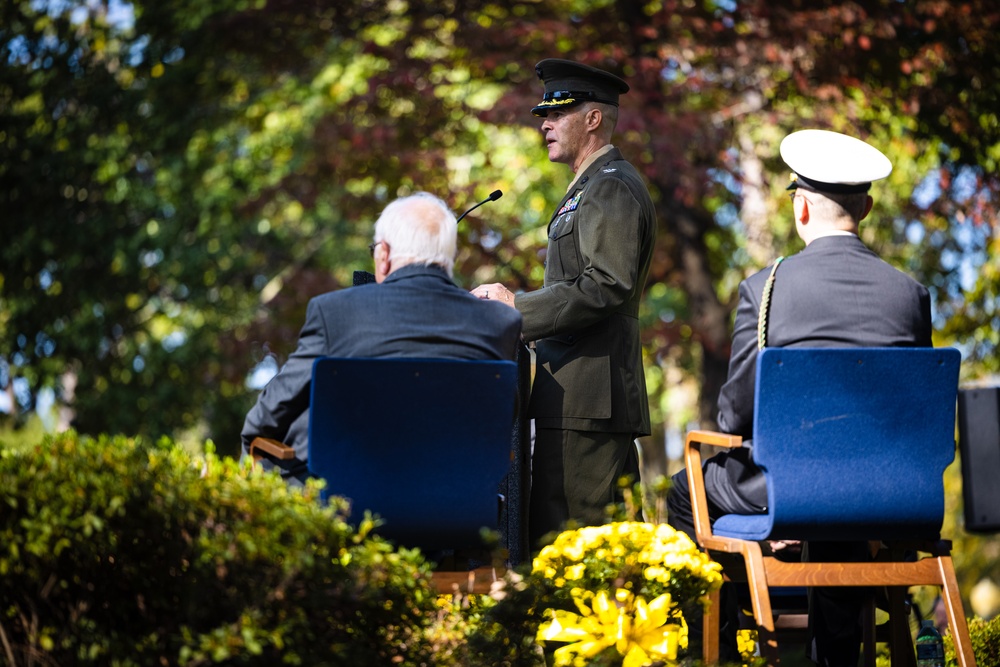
(835, 240)
(414, 270)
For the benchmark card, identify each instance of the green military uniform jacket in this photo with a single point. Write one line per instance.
(584, 320)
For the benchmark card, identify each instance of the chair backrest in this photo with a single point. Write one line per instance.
(854, 442)
(422, 443)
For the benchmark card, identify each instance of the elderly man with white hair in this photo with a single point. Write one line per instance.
(412, 310)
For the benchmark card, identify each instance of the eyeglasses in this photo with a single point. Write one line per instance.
(371, 247)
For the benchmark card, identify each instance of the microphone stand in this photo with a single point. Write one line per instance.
(496, 194)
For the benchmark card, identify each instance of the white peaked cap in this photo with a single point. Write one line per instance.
(833, 162)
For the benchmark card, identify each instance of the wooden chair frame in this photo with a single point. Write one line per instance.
(761, 572)
(891, 567)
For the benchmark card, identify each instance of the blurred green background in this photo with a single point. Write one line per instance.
(178, 178)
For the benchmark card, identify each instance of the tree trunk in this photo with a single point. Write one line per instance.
(755, 208)
(709, 316)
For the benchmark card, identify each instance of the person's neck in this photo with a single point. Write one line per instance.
(589, 160)
(830, 232)
(594, 149)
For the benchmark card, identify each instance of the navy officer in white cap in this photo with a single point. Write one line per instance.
(588, 400)
(835, 292)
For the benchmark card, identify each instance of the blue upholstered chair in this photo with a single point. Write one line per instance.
(853, 444)
(421, 443)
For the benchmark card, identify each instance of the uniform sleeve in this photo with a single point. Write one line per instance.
(286, 396)
(736, 399)
(611, 230)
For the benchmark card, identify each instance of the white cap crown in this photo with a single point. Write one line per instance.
(833, 162)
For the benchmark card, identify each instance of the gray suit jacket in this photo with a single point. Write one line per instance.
(416, 312)
(834, 293)
(588, 373)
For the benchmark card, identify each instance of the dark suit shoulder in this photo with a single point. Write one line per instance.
(340, 295)
(754, 283)
(848, 254)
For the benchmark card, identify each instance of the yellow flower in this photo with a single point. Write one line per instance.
(639, 631)
(746, 642)
(632, 555)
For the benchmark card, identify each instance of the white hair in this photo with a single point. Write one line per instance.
(419, 229)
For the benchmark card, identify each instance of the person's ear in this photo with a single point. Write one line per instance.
(804, 211)
(594, 117)
(383, 267)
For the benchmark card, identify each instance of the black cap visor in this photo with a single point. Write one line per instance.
(563, 99)
(800, 181)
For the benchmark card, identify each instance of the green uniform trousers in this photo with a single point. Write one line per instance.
(574, 476)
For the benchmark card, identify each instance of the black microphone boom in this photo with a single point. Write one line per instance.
(495, 195)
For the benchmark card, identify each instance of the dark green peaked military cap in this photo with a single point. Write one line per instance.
(569, 83)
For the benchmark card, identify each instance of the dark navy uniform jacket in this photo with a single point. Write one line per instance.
(834, 293)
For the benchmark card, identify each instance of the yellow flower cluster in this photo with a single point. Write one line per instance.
(746, 643)
(657, 549)
(640, 632)
(610, 572)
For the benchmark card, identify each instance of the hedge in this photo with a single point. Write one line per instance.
(115, 551)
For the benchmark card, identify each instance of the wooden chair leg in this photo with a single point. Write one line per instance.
(900, 639)
(477, 581)
(767, 641)
(760, 597)
(710, 629)
(868, 630)
(956, 613)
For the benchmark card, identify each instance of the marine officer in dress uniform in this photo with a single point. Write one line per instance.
(835, 292)
(588, 400)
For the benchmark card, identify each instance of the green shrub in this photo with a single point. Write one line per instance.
(118, 552)
(985, 637)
